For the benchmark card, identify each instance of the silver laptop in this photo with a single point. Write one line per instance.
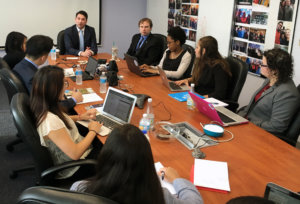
(220, 114)
(171, 84)
(117, 110)
(133, 66)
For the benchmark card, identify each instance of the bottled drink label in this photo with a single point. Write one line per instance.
(103, 80)
(190, 103)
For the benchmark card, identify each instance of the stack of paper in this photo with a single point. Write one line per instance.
(164, 183)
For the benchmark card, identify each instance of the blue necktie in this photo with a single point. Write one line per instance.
(81, 41)
(140, 43)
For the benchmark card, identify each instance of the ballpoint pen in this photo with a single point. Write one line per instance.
(162, 175)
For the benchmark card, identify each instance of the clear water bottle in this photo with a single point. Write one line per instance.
(150, 113)
(78, 74)
(53, 54)
(114, 52)
(189, 102)
(144, 124)
(103, 80)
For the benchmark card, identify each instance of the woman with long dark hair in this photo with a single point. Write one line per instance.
(15, 47)
(126, 173)
(56, 129)
(211, 72)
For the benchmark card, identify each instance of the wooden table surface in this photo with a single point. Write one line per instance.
(254, 156)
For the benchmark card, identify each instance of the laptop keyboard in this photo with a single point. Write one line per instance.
(107, 122)
(225, 118)
(174, 86)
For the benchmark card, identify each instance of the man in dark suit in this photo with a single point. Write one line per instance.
(37, 50)
(147, 48)
(80, 39)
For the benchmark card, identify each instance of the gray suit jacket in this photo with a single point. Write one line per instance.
(275, 108)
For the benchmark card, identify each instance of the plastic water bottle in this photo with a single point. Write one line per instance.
(53, 54)
(189, 102)
(144, 124)
(114, 52)
(78, 74)
(103, 80)
(150, 113)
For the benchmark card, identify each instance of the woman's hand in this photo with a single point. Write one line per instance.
(90, 114)
(95, 126)
(180, 82)
(170, 174)
(147, 68)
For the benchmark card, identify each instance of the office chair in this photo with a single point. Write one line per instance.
(163, 40)
(61, 42)
(43, 163)
(191, 50)
(46, 194)
(239, 71)
(12, 86)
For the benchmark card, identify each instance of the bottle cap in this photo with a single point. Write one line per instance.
(144, 115)
(103, 74)
(192, 85)
(149, 100)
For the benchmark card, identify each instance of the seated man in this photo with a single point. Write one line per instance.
(37, 50)
(80, 39)
(144, 46)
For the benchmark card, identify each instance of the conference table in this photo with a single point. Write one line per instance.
(254, 157)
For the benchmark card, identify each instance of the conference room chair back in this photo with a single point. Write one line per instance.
(163, 40)
(43, 163)
(46, 195)
(239, 70)
(61, 42)
(191, 50)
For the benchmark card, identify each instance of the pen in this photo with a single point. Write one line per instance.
(162, 175)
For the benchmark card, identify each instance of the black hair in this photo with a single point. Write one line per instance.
(38, 46)
(125, 169)
(14, 42)
(176, 33)
(281, 63)
(84, 13)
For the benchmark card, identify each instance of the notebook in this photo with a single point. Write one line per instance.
(171, 84)
(279, 194)
(90, 70)
(133, 66)
(220, 114)
(117, 110)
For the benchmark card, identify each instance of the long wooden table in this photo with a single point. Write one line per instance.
(254, 156)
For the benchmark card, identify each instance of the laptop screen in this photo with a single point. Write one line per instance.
(279, 194)
(119, 105)
(91, 66)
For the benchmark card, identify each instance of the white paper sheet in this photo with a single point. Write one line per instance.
(211, 174)
(164, 183)
(215, 102)
(69, 72)
(92, 97)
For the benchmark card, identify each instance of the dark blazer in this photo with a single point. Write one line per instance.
(149, 53)
(274, 110)
(72, 40)
(26, 70)
(13, 58)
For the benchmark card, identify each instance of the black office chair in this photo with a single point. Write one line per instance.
(239, 70)
(163, 39)
(46, 195)
(61, 42)
(12, 86)
(191, 50)
(44, 166)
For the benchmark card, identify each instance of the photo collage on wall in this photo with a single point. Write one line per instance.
(184, 13)
(249, 31)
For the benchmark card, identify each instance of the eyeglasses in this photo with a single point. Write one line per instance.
(66, 84)
(263, 65)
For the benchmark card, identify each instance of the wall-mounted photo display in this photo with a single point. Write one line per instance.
(254, 31)
(184, 13)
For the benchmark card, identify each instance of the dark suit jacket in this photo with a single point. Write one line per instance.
(25, 71)
(72, 40)
(149, 53)
(13, 58)
(274, 110)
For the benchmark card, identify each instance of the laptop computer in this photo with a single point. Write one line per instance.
(171, 84)
(279, 194)
(90, 70)
(117, 110)
(220, 114)
(133, 66)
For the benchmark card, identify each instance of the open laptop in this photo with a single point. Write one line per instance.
(133, 66)
(220, 114)
(117, 110)
(279, 194)
(90, 70)
(171, 84)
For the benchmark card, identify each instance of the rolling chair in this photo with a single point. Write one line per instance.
(43, 163)
(191, 50)
(239, 71)
(46, 194)
(61, 42)
(163, 39)
(12, 85)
